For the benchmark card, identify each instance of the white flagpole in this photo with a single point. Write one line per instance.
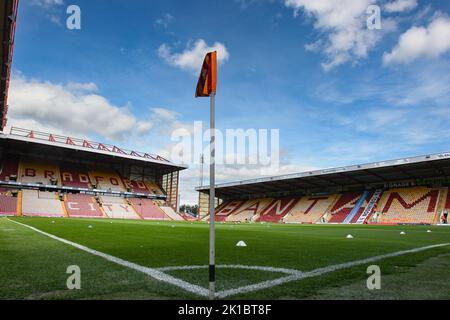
(212, 218)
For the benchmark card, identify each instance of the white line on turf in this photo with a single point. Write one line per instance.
(294, 275)
(321, 271)
(233, 266)
(156, 274)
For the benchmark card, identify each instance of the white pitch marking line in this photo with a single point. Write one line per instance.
(233, 266)
(154, 273)
(320, 271)
(298, 275)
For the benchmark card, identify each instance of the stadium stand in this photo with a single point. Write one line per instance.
(74, 176)
(8, 205)
(154, 188)
(147, 209)
(107, 180)
(415, 205)
(368, 207)
(310, 209)
(344, 205)
(117, 208)
(41, 203)
(227, 208)
(34, 171)
(82, 206)
(277, 210)
(171, 213)
(9, 168)
(249, 211)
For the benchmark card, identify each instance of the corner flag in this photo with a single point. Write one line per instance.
(207, 81)
(206, 87)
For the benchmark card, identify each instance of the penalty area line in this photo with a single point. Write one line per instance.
(154, 273)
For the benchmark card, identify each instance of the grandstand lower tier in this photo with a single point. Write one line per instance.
(54, 204)
(409, 205)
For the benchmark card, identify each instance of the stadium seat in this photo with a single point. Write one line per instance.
(8, 205)
(39, 203)
(136, 186)
(117, 208)
(9, 167)
(82, 206)
(343, 206)
(310, 209)
(363, 207)
(227, 208)
(249, 211)
(107, 180)
(77, 177)
(39, 172)
(147, 209)
(154, 188)
(415, 205)
(277, 209)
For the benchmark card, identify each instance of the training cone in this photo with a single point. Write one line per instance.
(241, 244)
(349, 236)
(428, 231)
(90, 227)
(402, 233)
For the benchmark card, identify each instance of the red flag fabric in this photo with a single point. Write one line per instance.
(207, 81)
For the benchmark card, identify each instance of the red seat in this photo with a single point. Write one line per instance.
(147, 209)
(82, 206)
(8, 205)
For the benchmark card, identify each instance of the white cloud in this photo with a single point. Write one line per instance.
(165, 20)
(71, 109)
(192, 57)
(400, 5)
(345, 24)
(417, 42)
(47, 3)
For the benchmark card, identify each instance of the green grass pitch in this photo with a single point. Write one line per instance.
(33, 266)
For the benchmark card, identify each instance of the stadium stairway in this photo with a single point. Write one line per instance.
(364, 213)
(357, 208)
(343, 207)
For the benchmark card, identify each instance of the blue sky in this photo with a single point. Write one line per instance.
(339, 93)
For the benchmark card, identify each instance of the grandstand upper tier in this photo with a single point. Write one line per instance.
(44, 174)
(404, 191)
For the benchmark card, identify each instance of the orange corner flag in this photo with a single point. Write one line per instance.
(207, 82)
